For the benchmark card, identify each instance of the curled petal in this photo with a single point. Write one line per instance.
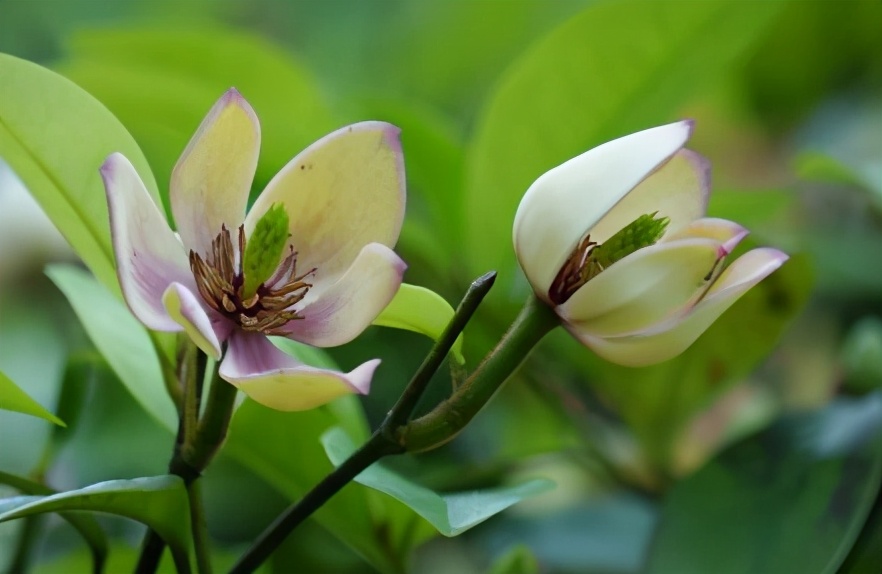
(670, 338)
(149, 256)
(212, 179)
(344, 191)
(564, 203)
(272, 378)
(184, 307)
(644, 288)
(728, 233)
(678, 190)
(341, 311)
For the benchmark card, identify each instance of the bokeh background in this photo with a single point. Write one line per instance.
(757, 450)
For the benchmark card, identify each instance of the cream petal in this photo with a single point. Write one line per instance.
(342, 310)
(344, 191)
(212, 179)
(678, 190)
(672, 337)
(149, 256)
(272, 378)
(728, 233)
(564, 203)
(644, 288)
(187, 311)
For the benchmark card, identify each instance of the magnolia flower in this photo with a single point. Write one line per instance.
(312, 259)
(616, 241)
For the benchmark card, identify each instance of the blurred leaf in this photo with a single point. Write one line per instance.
(814, 166)
(160, 502)
(85, 524)
(657, 401)
(434, 161)
(616, 68)
(162, 82)
(451, 514)
(862, 355)
(601, 533)
(283, 449)
(55, 137)
(752, 209)
(422, 311)
(864, 555)
(12, 398)
(518, 560)
(120, 338)
(80, 373)
(790, 501)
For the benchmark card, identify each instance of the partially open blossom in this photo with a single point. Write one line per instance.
(311, 260)
(617, 241)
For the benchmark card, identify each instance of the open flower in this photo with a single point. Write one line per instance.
(312, 260)
(617, 242)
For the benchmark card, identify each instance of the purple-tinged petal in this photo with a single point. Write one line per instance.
(678, 190)
(149, 257)
(276, 380)
(187, 311)
(643, 288)
(344, 191)
(564, 203)
(212, 179)
(341, 311)
(670, 338)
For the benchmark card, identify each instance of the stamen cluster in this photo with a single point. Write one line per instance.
(221, 282)
(589, 258)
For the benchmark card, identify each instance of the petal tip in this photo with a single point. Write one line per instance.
(360, 377)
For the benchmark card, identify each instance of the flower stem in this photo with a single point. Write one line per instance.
(382, 443)
(402, 409)
(443, 423)
(194, 450)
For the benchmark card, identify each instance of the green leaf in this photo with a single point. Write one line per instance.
(420, 310)
(162, 82)
(160, 502)
(790, 501)
(85, 524)
(118, 335)
(55, 137)
(616, 68)
(450, 514)
(12, 398)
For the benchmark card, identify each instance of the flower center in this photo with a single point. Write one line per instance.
(221, 281)
(589, 258)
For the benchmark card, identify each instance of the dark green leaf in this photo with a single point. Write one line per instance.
(790, 501)
(86, 524)
(160, 502)
(451, 514)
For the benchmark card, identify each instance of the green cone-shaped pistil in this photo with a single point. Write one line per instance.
(590, 258)
(264, 248)
(644, 231)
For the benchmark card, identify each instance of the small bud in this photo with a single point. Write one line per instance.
(264, 249)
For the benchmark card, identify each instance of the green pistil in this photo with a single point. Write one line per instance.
(644, 231)
(264, 249)
(589, 258)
